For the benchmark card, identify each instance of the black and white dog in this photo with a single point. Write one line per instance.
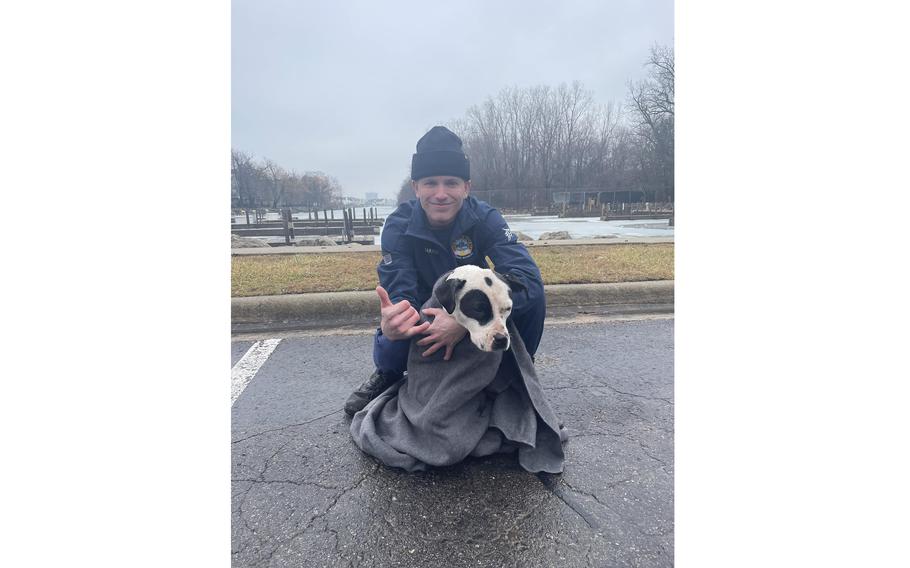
(480, 300)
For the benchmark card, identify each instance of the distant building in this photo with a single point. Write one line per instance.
(348, 201)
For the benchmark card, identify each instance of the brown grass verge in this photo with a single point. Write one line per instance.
(349, 271)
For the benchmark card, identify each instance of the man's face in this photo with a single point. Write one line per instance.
(441, 197)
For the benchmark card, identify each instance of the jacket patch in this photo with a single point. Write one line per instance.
(387, 258)
(463, 246)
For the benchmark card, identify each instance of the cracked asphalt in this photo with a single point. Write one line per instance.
(304, 495)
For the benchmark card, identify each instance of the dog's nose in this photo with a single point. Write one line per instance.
(500, 341)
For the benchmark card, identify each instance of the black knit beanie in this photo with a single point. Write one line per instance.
(439, 153)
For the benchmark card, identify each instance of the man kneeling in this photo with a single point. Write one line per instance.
(442, 229)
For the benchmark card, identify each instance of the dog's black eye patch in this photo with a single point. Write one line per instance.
(476, 305)
(488, 280)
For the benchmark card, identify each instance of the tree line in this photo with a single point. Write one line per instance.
(265, 184)
(525, 144)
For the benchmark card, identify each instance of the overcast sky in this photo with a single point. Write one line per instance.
(347, 87)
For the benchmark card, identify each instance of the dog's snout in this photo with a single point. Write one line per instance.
(500, 341)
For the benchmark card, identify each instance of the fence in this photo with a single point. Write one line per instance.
(346, 228)
(632, 211)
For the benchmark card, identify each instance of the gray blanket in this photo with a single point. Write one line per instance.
(476, 404)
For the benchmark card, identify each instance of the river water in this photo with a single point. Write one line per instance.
(534, 226)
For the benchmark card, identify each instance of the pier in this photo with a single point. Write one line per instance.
(346, 229)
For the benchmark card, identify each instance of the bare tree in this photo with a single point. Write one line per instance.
(405, 192)
(321, 190)
(242, 180)
(277, 182)
(524, 142)
(267, 184)
(652, 104)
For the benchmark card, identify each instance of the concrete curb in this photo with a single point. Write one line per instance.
(376, 248)
(362, 308)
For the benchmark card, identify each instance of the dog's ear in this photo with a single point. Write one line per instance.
(445, 292)
(514, 283)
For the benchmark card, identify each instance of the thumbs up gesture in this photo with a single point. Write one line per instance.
(397, 320)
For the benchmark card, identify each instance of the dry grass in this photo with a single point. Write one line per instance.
(604, 263)
(338, 272)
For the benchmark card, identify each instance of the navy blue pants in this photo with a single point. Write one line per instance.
(392, 356)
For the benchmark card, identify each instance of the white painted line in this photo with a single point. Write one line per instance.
(248, 365)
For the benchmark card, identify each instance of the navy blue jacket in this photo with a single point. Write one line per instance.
(413, 258)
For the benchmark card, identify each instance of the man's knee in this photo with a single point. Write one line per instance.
(390, 355)
(530, 326)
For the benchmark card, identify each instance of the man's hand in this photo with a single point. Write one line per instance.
(445, 332)
(397, 320)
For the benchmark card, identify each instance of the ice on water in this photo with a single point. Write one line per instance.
(578, 227)
(589, 227)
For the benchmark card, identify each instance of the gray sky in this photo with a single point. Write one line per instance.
(347, 87)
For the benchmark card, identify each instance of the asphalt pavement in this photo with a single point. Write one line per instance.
(304, 495)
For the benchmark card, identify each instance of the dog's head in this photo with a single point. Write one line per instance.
(480, 300)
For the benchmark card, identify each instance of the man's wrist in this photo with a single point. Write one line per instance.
(387, 334)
